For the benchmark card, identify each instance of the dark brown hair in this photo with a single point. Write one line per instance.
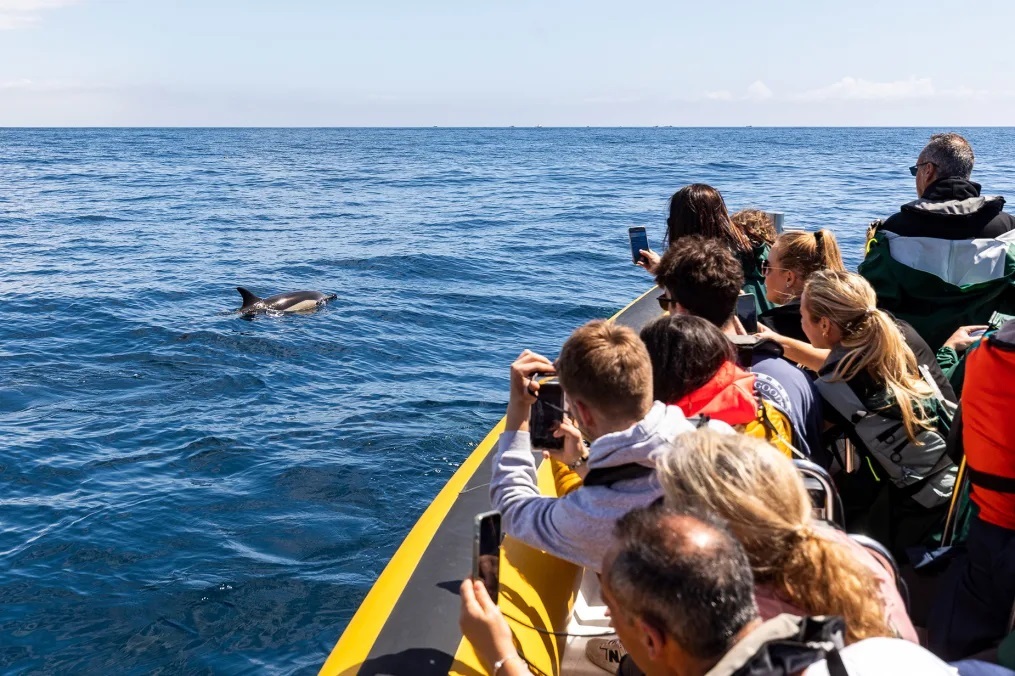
(703, 276)
(699, 209)
(686, 353)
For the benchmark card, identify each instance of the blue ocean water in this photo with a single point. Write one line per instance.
(187, 491)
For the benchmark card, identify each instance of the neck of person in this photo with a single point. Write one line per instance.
(690, 666)
(600, 425)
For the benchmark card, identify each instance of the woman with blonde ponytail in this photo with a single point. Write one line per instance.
(800, 566)
(794, 258)
(875, 395)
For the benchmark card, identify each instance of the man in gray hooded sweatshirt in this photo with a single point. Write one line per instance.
(605, 372)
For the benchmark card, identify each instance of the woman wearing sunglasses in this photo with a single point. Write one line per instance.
(795, 257)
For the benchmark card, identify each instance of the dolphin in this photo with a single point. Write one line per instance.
(294, 301)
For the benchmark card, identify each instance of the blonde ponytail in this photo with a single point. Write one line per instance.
(758, 491)
(873, 341)
(808, 252)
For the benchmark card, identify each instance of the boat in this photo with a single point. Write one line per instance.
(408, 621)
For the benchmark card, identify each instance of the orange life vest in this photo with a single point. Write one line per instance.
(988, 433)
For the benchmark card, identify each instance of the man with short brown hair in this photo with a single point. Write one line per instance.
(605, 372)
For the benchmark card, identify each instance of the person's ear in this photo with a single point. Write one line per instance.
(826, 326)
(584, 413)
(679, 309)
(790, 279)
(653, 640)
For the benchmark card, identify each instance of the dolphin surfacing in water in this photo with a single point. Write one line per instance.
(294, 301)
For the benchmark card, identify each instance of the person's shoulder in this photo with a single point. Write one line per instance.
(882, 655)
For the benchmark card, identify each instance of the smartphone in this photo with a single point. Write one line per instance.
(546, 414)
(486, 552)
(639, 242)
(977, 333)
(747, 312)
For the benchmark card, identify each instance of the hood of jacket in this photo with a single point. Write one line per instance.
(728, 397)
(660, 427)
(955, 198)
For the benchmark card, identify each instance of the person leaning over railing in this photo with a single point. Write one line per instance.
(974, 607)
(699, 209)
(875, 396)
(801, 566)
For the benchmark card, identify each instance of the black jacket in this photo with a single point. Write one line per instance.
(951, 208)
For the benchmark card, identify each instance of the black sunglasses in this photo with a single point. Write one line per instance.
(916, 167)
(666, 303)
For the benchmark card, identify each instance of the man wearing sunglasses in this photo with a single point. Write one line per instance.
(606, 375)
(941, 262)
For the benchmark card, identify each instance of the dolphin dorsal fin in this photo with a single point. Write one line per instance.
(248, 298)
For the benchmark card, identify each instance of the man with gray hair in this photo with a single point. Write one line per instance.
(946, 259)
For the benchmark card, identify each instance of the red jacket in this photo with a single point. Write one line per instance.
(728, 397)
(988, 426)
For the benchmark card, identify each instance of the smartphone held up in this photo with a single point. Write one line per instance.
(639, 242)
(486, 539)
(546, 415)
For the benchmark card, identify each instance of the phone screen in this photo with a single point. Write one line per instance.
(747, 312)
(639, 242)
(546, 414)
(486, 552)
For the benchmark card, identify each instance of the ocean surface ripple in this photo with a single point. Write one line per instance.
(185, 491)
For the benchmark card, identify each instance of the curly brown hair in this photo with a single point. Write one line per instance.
(756, 224)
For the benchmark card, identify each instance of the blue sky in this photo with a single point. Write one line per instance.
(517, 62)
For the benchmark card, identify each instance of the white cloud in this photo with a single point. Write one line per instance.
(758, 91)
(721, 95)
(858, 89)
(15, 14)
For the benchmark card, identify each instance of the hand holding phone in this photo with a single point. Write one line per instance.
(639, 243)
(546, 415)
(486, 539)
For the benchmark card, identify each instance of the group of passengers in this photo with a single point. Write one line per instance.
(684, 448)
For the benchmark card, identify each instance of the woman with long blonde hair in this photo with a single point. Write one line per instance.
(876, 396)
(800, 565)
(794, 258)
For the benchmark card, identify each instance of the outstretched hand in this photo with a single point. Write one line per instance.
(483, 624)
(963, 338)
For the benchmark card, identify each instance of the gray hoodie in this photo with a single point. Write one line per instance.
(577, 526)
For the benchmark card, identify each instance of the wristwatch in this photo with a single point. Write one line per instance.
(579, 462)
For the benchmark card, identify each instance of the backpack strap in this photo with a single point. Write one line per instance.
(991, 482)
(607, 476)
(833, 661)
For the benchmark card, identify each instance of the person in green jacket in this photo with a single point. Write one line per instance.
(699, 209)
(946, 259)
